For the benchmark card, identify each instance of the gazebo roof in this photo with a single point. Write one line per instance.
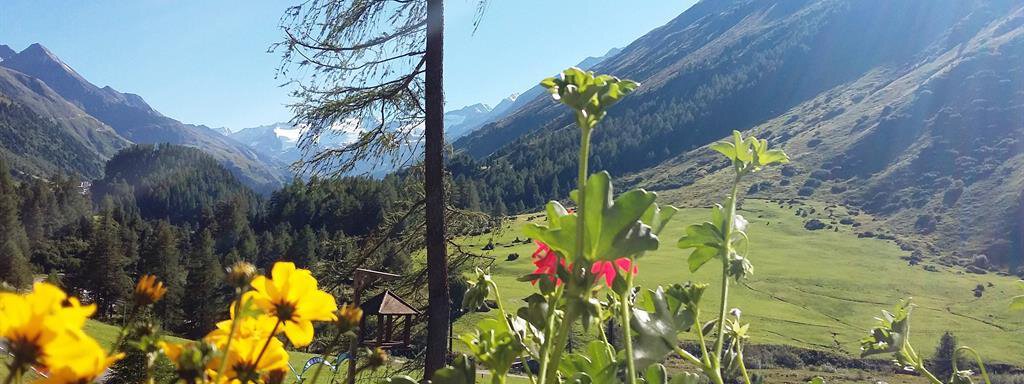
(387, 303)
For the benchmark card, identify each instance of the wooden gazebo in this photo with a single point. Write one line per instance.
(392, 313)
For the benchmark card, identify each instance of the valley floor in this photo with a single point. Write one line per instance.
(817, 289)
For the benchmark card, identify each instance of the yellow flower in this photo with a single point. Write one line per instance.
(240, 274)
(260, 327)
(189, 359)
(377, 358)
(245, 363)
(349, 317)
(171, 350)
(31, 322)
(149, 290)
(291, 295)
(74, 358)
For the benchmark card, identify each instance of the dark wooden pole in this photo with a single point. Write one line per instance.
(353, 348)
(406, 335)
(438, 311)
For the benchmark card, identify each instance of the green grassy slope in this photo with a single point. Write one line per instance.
(814, 289)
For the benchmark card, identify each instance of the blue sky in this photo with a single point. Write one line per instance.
(205, 62)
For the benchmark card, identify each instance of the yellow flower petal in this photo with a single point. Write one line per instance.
(300, 333)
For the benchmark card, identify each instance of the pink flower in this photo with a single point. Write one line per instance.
(546, 260)
(607, 269)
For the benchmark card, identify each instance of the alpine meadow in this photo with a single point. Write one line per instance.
(512, 192)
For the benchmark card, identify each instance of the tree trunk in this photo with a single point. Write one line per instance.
(438, 311)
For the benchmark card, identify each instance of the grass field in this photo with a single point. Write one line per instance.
(812, 289)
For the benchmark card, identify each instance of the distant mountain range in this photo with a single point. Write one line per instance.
(280, 141)
(911, 111)
(100, 121)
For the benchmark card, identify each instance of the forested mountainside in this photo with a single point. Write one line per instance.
(133, 119)
(910, 110)
(43, 134)
(170, 182)
(175, 212)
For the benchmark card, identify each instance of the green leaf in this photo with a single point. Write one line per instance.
(656, 374)
(589, 95)
(402, 379)
(743, 152)
(700, 256)
(686, 378)
(666, 314)
(701, 235)
(749, 154)
(613, 226)
(479, 289)
(612, 229)
(535, 312)
(817, 380)
(493, 347)
(890, 335)
(559, 232)
(725, 148)
(460, 372)
(740, 267)
(596, 362)
(658, 217)
(961, 377)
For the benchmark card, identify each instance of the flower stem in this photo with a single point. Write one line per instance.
(553, 354)
(508, 323)
(11, 373)
(581, 185)
(726, 251)
(700, 338)
(627, 335)
(231, 333)
(545, 349)
(320, 367)
(743, 366)
(686, 355)
(560, 340)
(977, 358)
(919, 363)
(265, 345)
(124, 330)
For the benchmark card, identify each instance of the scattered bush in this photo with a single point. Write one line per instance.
(814, 225)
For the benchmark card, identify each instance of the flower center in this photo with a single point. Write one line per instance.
(25, 351)
(246, 373)
(284, 310)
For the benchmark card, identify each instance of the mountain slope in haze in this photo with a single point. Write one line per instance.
(910, 110)
(479, 141)
(42, 134)
(135, 120)
(459, 122)
(6, 52)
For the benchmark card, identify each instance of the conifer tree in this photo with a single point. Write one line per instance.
(106, 276)
(304, 248)
(204, 301)
(15, 268)
(160, 256)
